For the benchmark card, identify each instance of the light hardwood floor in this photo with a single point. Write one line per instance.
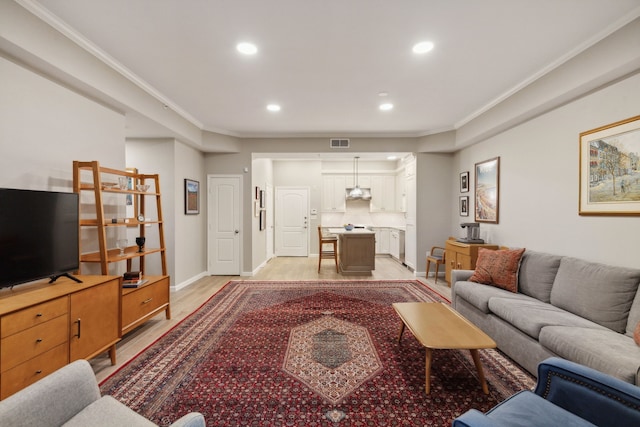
(185, 301)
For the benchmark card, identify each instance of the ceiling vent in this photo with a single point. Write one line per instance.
(338, 143)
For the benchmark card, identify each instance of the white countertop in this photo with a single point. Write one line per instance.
(341, 230)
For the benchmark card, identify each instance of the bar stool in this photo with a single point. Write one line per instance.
(325, 253)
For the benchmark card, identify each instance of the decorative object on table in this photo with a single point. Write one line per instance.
(133, 279)
(464, 205)
(487, 200)
(141, 218)
(140, 242)
(191, 197)
(143, 187)
(609, 177)
(348, 227)
(122, 245)
(473, 233)
(464, 182)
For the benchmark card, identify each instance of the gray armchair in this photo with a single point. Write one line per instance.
(70, 397)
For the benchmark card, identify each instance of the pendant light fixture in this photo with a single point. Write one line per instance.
(356, 191)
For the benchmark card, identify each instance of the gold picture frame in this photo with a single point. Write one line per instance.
(609, 180)
(487, 191)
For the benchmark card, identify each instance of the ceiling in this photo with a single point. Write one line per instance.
(325, 62)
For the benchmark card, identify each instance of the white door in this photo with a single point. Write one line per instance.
(269, 194)
(292, 221)
(225, 214)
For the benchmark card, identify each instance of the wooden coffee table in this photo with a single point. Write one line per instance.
(438, 326)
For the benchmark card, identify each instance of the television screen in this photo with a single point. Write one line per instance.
(38, 235)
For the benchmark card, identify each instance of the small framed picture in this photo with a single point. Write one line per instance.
(464, 205)
(263, 219)
(262, 199)
(464, 182)
(191, 197)
(257, 193)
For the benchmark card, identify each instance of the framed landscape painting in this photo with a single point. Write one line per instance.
(609, 175)
(487, 191)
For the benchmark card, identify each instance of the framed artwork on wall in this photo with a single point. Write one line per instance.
(609, 169)
(487, 187)
(464, 182)
(263, 219)
(262, 199)
(191, 197)
(464, 205)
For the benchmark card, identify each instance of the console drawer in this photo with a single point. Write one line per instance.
(32, 316)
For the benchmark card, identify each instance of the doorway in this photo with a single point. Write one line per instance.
(225, 215)
(292, 221)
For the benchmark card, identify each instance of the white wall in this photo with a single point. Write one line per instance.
(45, 127)
(539, 182)
(156, 157)
(190, 250)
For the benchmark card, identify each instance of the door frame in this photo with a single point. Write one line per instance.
(240, 224)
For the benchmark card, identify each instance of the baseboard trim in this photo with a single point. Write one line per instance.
(188, 282)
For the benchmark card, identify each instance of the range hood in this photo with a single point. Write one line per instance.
(362, 194)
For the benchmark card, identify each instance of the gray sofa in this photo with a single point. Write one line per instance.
(70, 397)
(565, 307)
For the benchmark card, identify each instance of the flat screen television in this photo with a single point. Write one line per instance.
(38, 235)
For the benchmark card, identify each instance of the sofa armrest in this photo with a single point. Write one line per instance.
(53, 400)
(192, 419)
(474, 418)
(460, 275)
(597, 397)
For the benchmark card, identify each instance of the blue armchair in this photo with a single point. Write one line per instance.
(567, 394)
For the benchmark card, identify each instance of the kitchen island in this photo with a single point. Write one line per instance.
(356, 251)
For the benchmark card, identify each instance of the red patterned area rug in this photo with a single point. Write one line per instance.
(321, 353)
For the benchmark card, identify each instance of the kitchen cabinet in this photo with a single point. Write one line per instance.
(396, 244)
(333, 193)
(462, 256)
(383, 197)
(382, 241)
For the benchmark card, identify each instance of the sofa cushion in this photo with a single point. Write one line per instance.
(606, 351)
(530, 316)
(498, 268)
(537, 273)
(479, 295)
(107, 411)
(598, 292)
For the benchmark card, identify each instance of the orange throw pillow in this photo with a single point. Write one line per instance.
(636, 334)
(498, 268)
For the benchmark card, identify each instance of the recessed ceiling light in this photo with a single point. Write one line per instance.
(247, 48)
(383, 93)
(422, 47)
(273, 107)
(386, 107)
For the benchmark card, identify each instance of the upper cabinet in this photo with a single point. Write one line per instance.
(383, 193)
(333, 193)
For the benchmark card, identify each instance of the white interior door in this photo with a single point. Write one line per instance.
(292, 221)
(224, 224)
(269, 194)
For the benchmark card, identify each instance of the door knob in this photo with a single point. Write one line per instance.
(237, 231)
